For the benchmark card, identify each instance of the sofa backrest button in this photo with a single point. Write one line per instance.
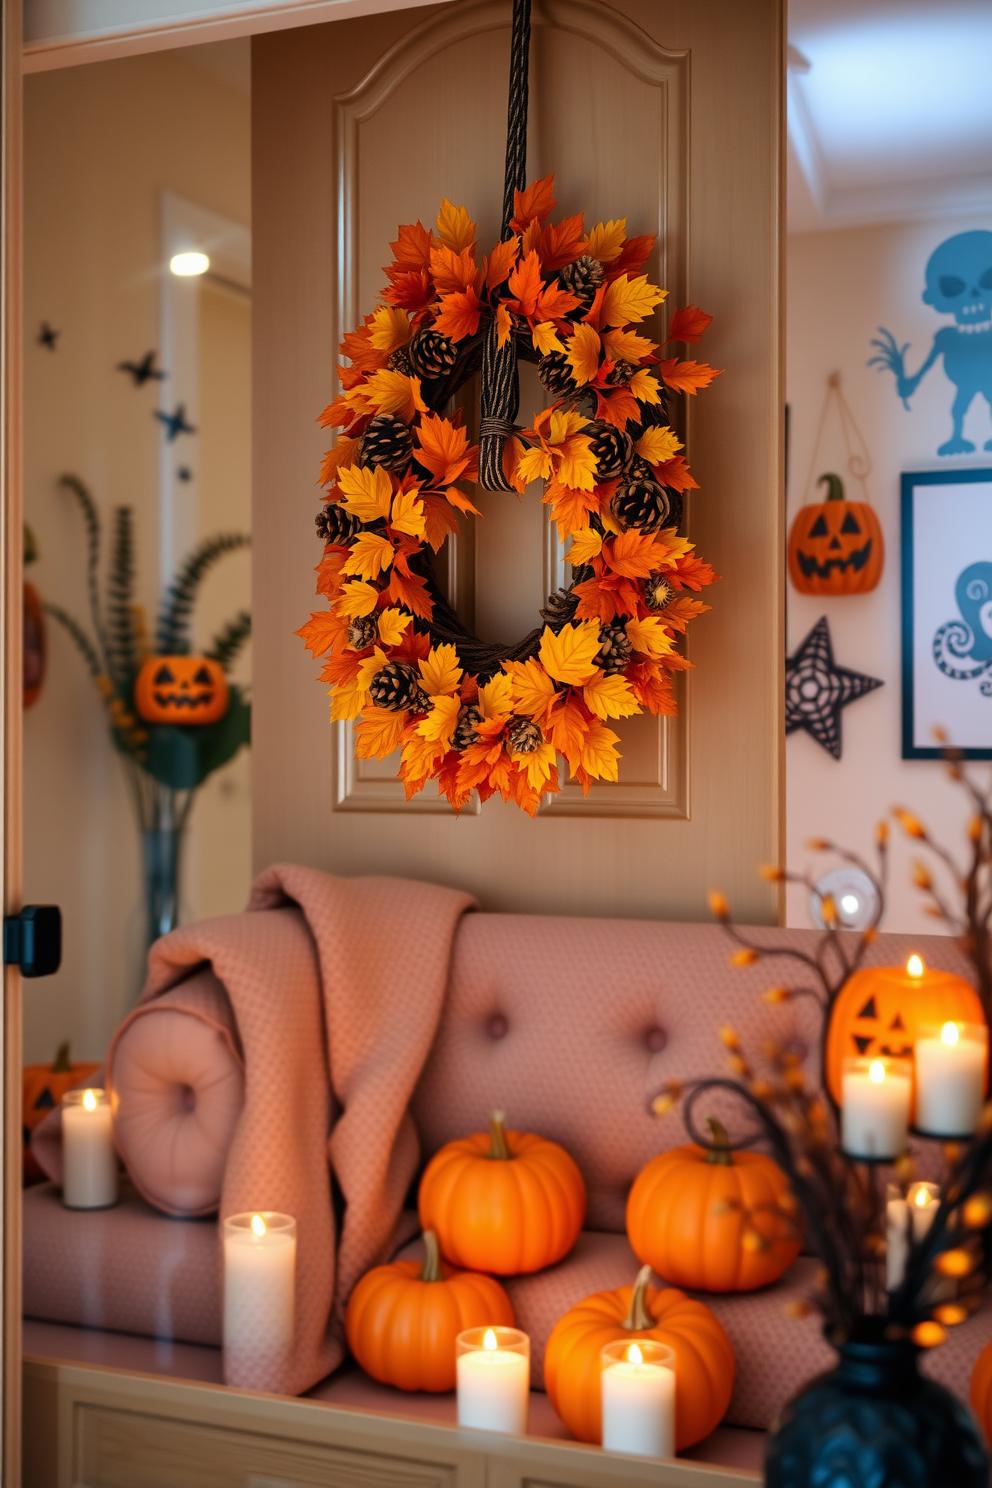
(655, 1040)
(497, 1026)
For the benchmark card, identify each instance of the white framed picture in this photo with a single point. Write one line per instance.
(947, 612)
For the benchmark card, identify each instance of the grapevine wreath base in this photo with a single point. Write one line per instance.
(468, 715)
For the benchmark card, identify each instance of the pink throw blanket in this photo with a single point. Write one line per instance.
(336, 1003)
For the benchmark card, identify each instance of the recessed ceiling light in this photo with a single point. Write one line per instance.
(187, 264)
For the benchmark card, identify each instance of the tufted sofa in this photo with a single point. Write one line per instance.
(570, 1026)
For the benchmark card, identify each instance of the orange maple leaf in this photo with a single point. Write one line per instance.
(459, 315)
(329, 571)
(631, 554)
(411, 590)
(679, 611)
(568, 725)
(452, 271)
(411, 290)
(688, 324)
(342, 454)
(412, 248)
(618, 407)
(595, 603)
(636, 252)
(319, 632)
(675, 474)
(501, 261)
(554, 303)
(693, 572)
(535, 203)
(378, 733)
(652, 686)
(439, 520)
(560, 242)
(525, 284)
(687, 377)
(358, 348)
(442, 449)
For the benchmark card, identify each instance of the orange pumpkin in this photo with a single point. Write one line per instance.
(716, 1221)
(506, 1201)
(981, 1391)
(181, 689)
(44, 1087)
(402, 1320)
(704, 1359)
(836, 546)
(880, 1008)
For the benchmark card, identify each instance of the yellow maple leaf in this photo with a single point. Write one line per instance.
(504, 325)
(569, 655)
(369, 667)
(598, 755)
(346, 700)
(545, 337)
(571, 450)
(610, 697)
(628, 300)
(649, 636)
(356, 598)
(455, 227)
(379, 733)
(392, 624)
(582, 354)
(586, 545)
(496, 697)
(606, 240)
(394, 392)
(368, 491)
(657, 444)
(390, 328)
(408, 514)
(538, 764)
(533, 689)
(533, 464)
(440, 723)
(440, 670)
(370, 555)
(645, 388)
(627, 346)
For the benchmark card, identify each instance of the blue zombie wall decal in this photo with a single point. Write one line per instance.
(958, 283)
(968, 639)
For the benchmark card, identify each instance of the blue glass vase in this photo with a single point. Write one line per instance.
(876, 1422)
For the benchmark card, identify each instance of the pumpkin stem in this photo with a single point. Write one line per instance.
(431, 1269)
(62, 1064)
(639, 1319)
(834, 485)
(499, 1148)
(720, 1152)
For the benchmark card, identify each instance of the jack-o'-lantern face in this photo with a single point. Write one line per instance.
(836, 546)
(181, 689)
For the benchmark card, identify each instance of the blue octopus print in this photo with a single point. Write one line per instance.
(970, 638)
(958, 283)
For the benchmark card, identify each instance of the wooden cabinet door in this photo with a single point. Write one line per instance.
(668, 113)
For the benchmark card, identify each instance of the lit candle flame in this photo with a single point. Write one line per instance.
(877, 1071)
(915, 966)
(89, 1100)
(634, 1355)
(258, 1225)
(950, 1033)
(489, 1341)
(922, 1199)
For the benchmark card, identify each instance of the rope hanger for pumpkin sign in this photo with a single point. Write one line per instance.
(401, 664)
(858, 459)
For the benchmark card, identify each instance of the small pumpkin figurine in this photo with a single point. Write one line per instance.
(402, 1319)
(981, 1391)
(712, 1219)
(508, 1202)
(181, 690)
(44, 1087)
(836, 546)
(704, 1358)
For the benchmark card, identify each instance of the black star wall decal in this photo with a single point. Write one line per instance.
(175, 423)
(816, 689)
(143, 371)
(48, 337)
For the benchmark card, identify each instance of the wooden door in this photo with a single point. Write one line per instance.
(667, 112)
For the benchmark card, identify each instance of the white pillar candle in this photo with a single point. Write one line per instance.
(638, 1385)
(259, 1297)
(919, 1208)
(950, 1078)
(875, 1098)
(89, 1157)
(493, 1378)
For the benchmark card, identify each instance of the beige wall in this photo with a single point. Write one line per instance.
(102, 142)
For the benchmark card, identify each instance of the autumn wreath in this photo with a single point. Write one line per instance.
(469, 715)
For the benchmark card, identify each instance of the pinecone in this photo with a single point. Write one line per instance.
(524, 736)
(335, 525)
(615, 649)
(622, 372)
(431, 354)
(559, 608)
(611, 447)
(555, 373)
(362, 632)
(387, 441)
(399, 361)
(469, 718)
(396, 686)
(583, 278)
(657, 592)
(642, 504)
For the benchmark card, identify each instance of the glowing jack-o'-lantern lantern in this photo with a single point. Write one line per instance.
(181, 689)
(879, 1011)
(836, 546)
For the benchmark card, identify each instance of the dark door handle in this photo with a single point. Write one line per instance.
(32, 940)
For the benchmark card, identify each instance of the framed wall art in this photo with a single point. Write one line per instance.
(947, 612)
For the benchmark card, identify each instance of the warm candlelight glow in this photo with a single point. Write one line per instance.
(915, 966)
(258, 1225)
(922, 1198)
(877, 1072)
(634, 1355)
(950, 1033)
(489, 1341)
(89, 1100)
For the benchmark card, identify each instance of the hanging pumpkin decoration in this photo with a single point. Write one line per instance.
(981, 1391)
(504, 1201)
(402, 1319)
(181, 690)
(44, 1087)
(836, 546)
(879, 1009)
(714, 1220)
(704, 1358)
